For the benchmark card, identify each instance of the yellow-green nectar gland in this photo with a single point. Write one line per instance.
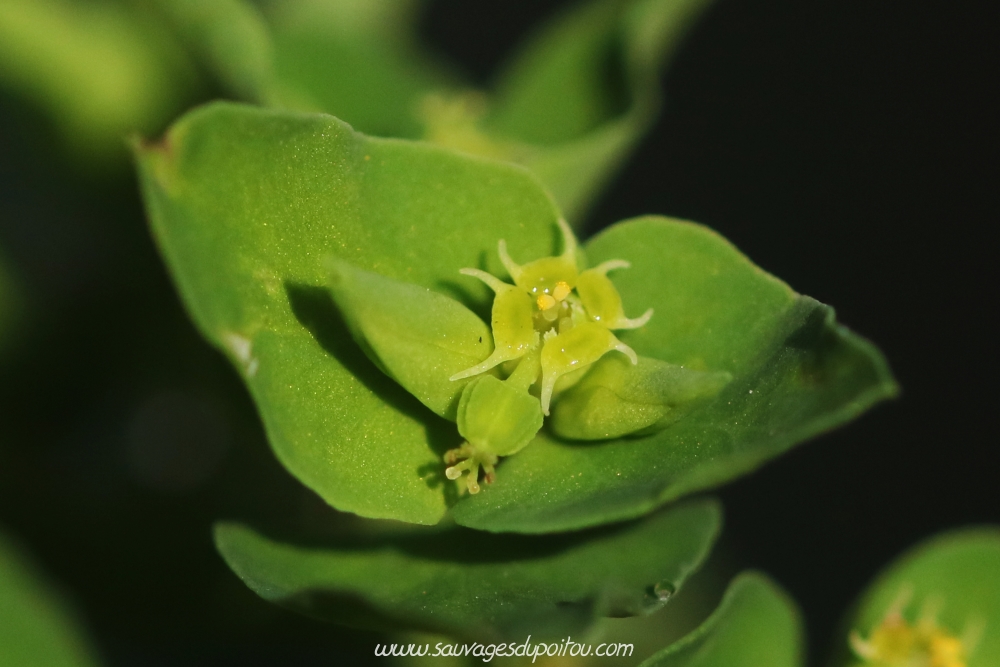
(897, 643)
(563, 314)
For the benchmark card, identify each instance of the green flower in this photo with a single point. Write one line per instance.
(553, 321)
(548, 330)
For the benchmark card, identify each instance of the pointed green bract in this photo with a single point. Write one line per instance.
(247, 207)
(755, 625)
(416, 336)
(951, 583)
(616, 398)
(795, 373)
(480, 586)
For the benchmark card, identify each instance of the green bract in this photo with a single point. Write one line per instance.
(250, 207)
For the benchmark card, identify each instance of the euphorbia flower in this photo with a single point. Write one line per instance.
(542, 310)
(548, 329)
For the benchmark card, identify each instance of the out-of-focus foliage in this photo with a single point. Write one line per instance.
(100, 70)
(570, 105)
(37, 629)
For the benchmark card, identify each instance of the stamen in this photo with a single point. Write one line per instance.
(546, 301)
(562, 290)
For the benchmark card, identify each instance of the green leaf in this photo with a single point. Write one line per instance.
(231, 39)
(417, 337)
(958, 575)
(37, 629)
(248, 206)
(570, 106)
(795, 372)
(355, 59)
(586, 88)
(756, 624)
(100, 70)
(481, 586)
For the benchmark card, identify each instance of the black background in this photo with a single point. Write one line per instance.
(847, 147)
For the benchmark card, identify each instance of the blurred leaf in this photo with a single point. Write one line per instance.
(248, 205)
(36, 627)
(355, 59)
(570, 106)
(99, 69)
(482, 586)
(955, 576)
(796, 373)
(755, 625)
(585, 90)
(231, 39)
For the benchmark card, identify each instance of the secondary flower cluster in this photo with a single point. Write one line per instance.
(897, 643)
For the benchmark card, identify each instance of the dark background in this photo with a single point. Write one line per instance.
(847, 147)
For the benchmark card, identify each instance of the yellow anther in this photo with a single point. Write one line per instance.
(562, 290)
(545, 301)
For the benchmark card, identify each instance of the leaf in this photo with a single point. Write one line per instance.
(958, 573)
(795, 372)
(480, 586)
(230, 39)
(249, 205)
(36, 627)
(417, 337)
(756, 624)
(570, 106)
(355, 59)
(99, 70)
(585, 89)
